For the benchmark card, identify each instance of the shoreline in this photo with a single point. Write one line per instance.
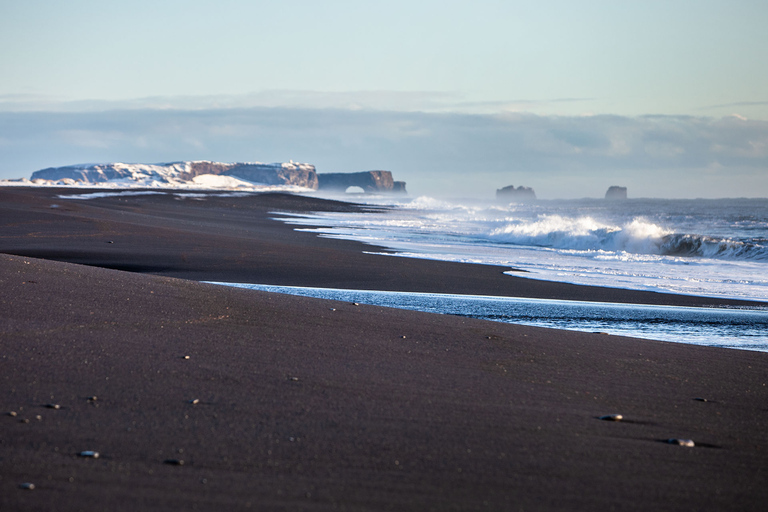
(236, 240)
(199, 396)
(733, 327)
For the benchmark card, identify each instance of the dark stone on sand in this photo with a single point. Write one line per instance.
(681, 442)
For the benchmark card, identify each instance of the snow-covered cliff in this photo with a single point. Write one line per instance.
(182, 173)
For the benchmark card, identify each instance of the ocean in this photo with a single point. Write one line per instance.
(705, 247)
(714, 248)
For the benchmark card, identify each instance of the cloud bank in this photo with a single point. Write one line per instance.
(445, 154)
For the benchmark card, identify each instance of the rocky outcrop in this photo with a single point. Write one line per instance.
(616, 192)
(369, 181)
(398, 187)
(519, 194)
(300, 175)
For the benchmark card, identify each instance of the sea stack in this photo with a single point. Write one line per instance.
(616, 192)
(519, 194)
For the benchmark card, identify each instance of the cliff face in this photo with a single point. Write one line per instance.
(300, 175)
(510, 193)
(616, 192)
(179, 173)
(369, 181)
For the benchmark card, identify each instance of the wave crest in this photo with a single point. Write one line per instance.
(710, 247)
(637, 237)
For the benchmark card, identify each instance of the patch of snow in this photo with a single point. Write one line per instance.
(218, 181)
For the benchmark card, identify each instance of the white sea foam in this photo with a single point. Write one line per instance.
(583, 233)
(712, 248)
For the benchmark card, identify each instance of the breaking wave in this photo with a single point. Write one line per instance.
(637, 237)
(710, 247)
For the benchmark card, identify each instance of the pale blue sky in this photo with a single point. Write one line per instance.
(615, 57)
(558, 60)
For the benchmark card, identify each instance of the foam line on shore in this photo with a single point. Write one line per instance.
(743, 327)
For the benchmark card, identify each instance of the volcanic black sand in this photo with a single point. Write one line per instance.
(291, 403)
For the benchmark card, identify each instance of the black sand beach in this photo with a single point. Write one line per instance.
(304, 404)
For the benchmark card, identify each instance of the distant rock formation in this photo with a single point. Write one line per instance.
(519, 194)
(300, 175)
(182, 173)
(398, 187)
(369, 181)
(616, 192)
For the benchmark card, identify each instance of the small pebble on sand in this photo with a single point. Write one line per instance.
(185, 357)
(699, 399)
(13, 414)
(174, 462)
(194, 401)
(681, 442)
(27, 485)
(89, 454)
(612, 417)
(93, 398)
(53, 406)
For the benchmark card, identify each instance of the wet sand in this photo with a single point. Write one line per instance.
(310, 404)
